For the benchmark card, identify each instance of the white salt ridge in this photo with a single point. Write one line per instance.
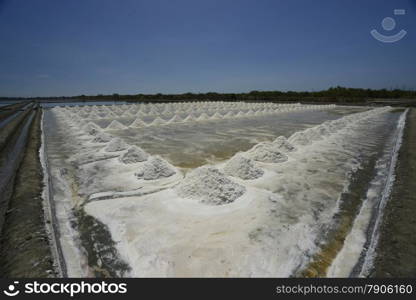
(265, 152)
(102, 137)
(115, 145)
(308, 136)
(115, 125)
(209, 186)
(242, 167)
(155, 168)
(133, 155)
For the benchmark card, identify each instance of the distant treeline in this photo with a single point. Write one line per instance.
(335, 94)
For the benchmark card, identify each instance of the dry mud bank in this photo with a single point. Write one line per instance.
(9, 129)
(397, 246)
(8, 110)
(25, 250)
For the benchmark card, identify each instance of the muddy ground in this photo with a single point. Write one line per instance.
(25, 250)
(396, 254)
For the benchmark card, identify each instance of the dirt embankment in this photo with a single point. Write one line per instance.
(25, 250)
(396, 253)
(8, 130)
(8, 110)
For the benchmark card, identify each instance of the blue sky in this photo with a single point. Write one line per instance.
(54, 47)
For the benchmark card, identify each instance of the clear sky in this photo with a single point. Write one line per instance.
(73, 47)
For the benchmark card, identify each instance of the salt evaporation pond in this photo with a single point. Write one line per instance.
(219, 188)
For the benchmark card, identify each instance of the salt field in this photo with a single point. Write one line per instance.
(219, 189)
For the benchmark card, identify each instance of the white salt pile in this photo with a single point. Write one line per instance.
(115, 145)
(190, 118)
(176, 119)
(229, 115)
(133, 155)
(158, 121)
(154, 168)
(217, 115)
(240, 166)
(91, 128)
(138, 123)
(208, 185)
(265, 152)
(126, 114)
(102, 137)
(110, 115)
(240, 114)
(282, 144)
(116, 125)
(203, 117)
(141, 113)
(93, 115)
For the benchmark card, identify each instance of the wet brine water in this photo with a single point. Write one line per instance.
(220, 188)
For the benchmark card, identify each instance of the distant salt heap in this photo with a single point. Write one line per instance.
(240, 114)
(229, 115)
(102, 137)
(133, 155)
(155, 168)
(190, 118)
(158, 121)
(91, 128)
(176, 119)
(116, 125)
(240, 166)
(94, 115)
(126, 114)
(138, 123)
(265, 152)
(203, 117)
(217, 115)
(115, 145)
(208, 185)
(282, 144)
